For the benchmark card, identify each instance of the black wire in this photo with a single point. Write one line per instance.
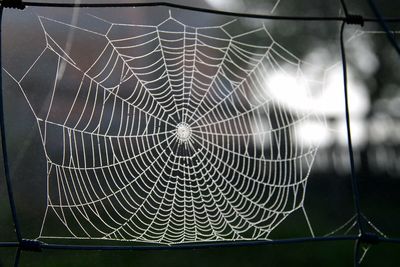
(4, 149)
(354, 180)
(385, 27)
(197, 9)
(178, 6)
(344, 6)
(227, 244)
(17, 257)
(9, 244)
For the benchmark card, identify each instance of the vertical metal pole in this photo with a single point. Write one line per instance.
(354, 181)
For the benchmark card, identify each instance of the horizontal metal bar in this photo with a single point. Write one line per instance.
(9, 244)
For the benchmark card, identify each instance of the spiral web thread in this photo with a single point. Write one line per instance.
(171, 136)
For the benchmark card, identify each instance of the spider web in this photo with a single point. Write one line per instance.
(172, 133)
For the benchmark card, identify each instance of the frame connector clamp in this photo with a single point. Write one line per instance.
(354, 19)
(31, 245)
(16, 4)
(369, 238)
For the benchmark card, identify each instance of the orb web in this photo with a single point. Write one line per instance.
(170, 134)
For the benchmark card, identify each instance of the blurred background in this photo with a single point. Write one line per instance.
(375, 114)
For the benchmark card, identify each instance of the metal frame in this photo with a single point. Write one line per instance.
(363, 236)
